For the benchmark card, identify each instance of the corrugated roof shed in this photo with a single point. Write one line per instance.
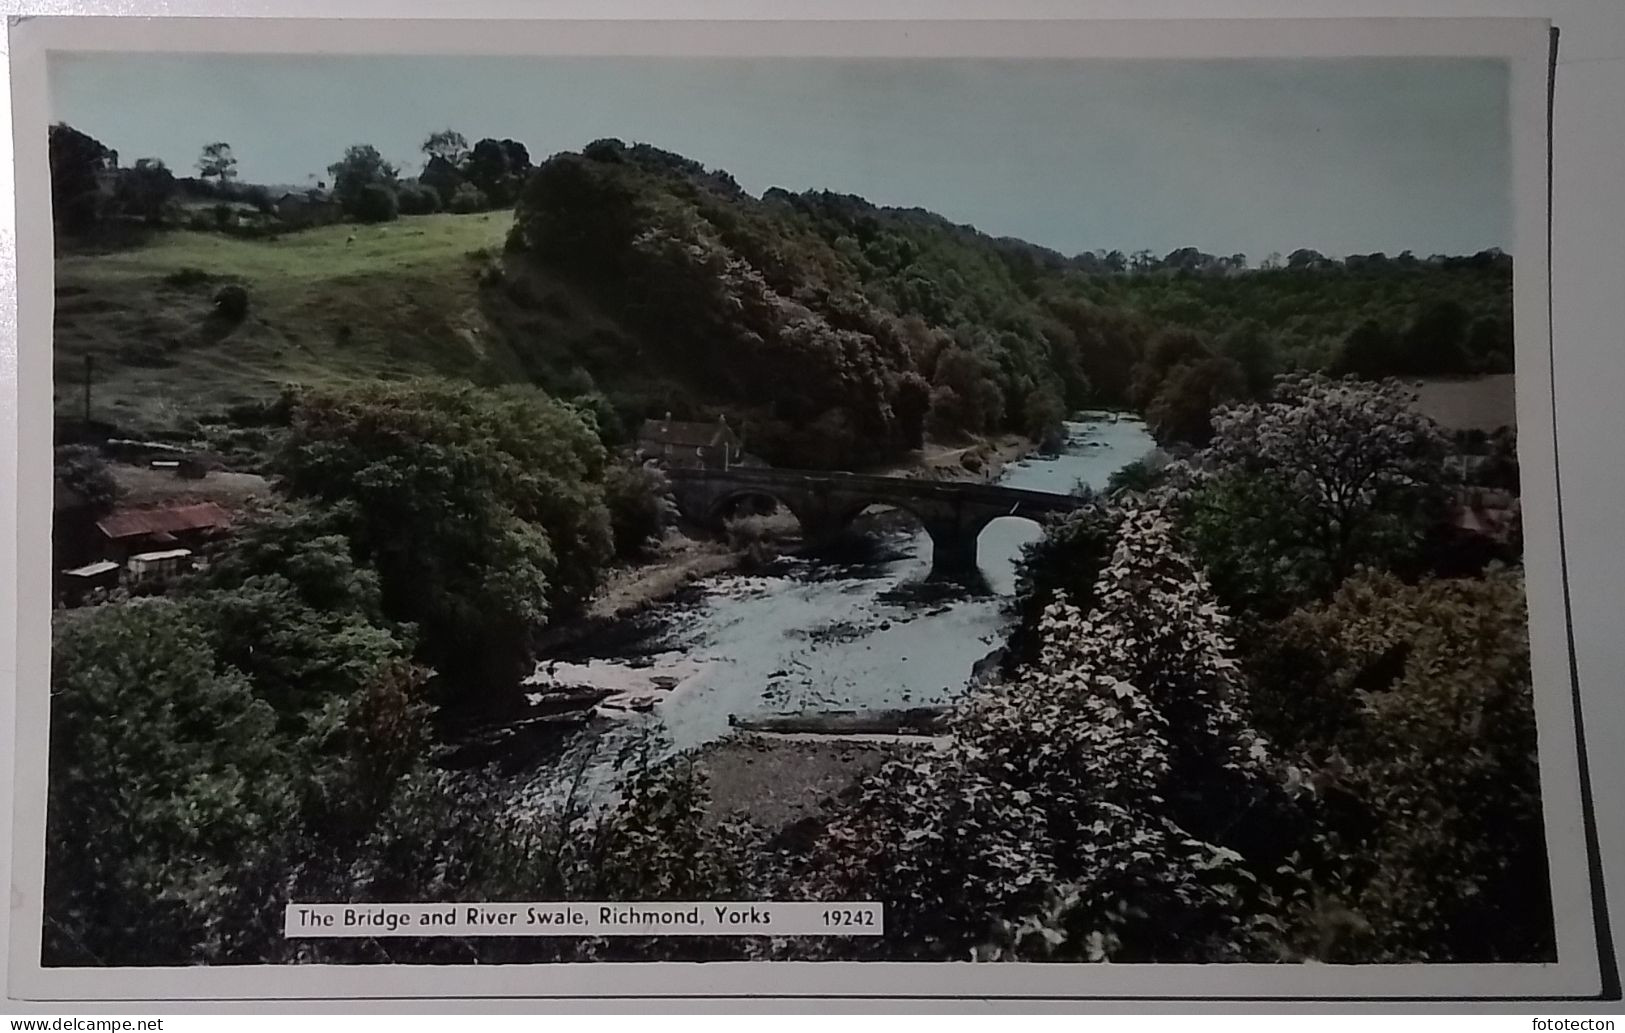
(133, 523)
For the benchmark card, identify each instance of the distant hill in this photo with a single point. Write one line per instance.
(832, 332)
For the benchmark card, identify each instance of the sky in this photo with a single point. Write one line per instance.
(1252, 156)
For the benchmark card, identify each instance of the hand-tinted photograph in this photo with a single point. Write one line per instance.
(1073, 504)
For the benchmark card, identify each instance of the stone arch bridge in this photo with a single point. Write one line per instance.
(825, 502)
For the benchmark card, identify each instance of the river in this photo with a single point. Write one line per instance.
(812, 634)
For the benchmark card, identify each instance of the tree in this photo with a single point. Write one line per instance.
(1307, 258)
(482, 512)
(169, 801)
(1109, 803)
(217, 163)
(1249, 346)
(498, 168)
(375, 202)
(965, 397)
(361, 167)
(1352, 472)
(418, 199)
(145, 190)
(447, 145)
(1371, 351)
(1412, 707)
(640, 506)
(467, 199)
(1181, 411)
(1435, 341)
(79, 163)
(287, 605)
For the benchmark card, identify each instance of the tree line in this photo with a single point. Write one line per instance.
(90, 189)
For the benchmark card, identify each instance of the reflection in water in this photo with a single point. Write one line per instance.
(826, 635)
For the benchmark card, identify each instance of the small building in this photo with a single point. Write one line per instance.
(311, 208)
(76, 585)
(128, 532)
(690, 444)
(159, 565)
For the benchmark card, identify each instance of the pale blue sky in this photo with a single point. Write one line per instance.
(1251, 156)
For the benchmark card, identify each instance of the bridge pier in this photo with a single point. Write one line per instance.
(953, 553)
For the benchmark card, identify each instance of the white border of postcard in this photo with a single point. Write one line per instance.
(1523, 43)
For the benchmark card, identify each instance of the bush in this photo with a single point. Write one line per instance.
(640, 506)
(415, 199)
(468, 198)
(375, 202)
(231, 303)
(757, 536)
(169, 801)
(1059, 567)
(1412, 706)
(83, 479)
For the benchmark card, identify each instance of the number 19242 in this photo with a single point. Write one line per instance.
(840, 917)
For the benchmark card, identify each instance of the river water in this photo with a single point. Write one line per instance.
(816, 634)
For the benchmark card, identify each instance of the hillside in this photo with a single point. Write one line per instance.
(399, 300)
(830, 331)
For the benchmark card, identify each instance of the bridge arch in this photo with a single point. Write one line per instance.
(825, 503)
(729, 503)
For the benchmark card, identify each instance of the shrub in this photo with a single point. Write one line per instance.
(1412, 705)
(468, 198)
(640, 506)
(169, 801)
(231, 303)
(415, 199)
(375, 202)
(1061, 566)
(757, 536)
(83, 479)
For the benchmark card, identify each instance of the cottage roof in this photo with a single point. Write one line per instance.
(135, 523)
(686, 434)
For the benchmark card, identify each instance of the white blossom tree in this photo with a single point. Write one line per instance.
(1327, 475)
(1091, 807)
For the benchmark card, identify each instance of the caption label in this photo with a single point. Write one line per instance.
(604, 918)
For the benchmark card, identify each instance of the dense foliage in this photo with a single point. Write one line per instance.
(1325, 476)
(1411, 705)
(482, 512)
(892, 321)
(1108, 803)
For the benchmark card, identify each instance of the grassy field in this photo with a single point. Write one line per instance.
(401, 299)
(1475, 403)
